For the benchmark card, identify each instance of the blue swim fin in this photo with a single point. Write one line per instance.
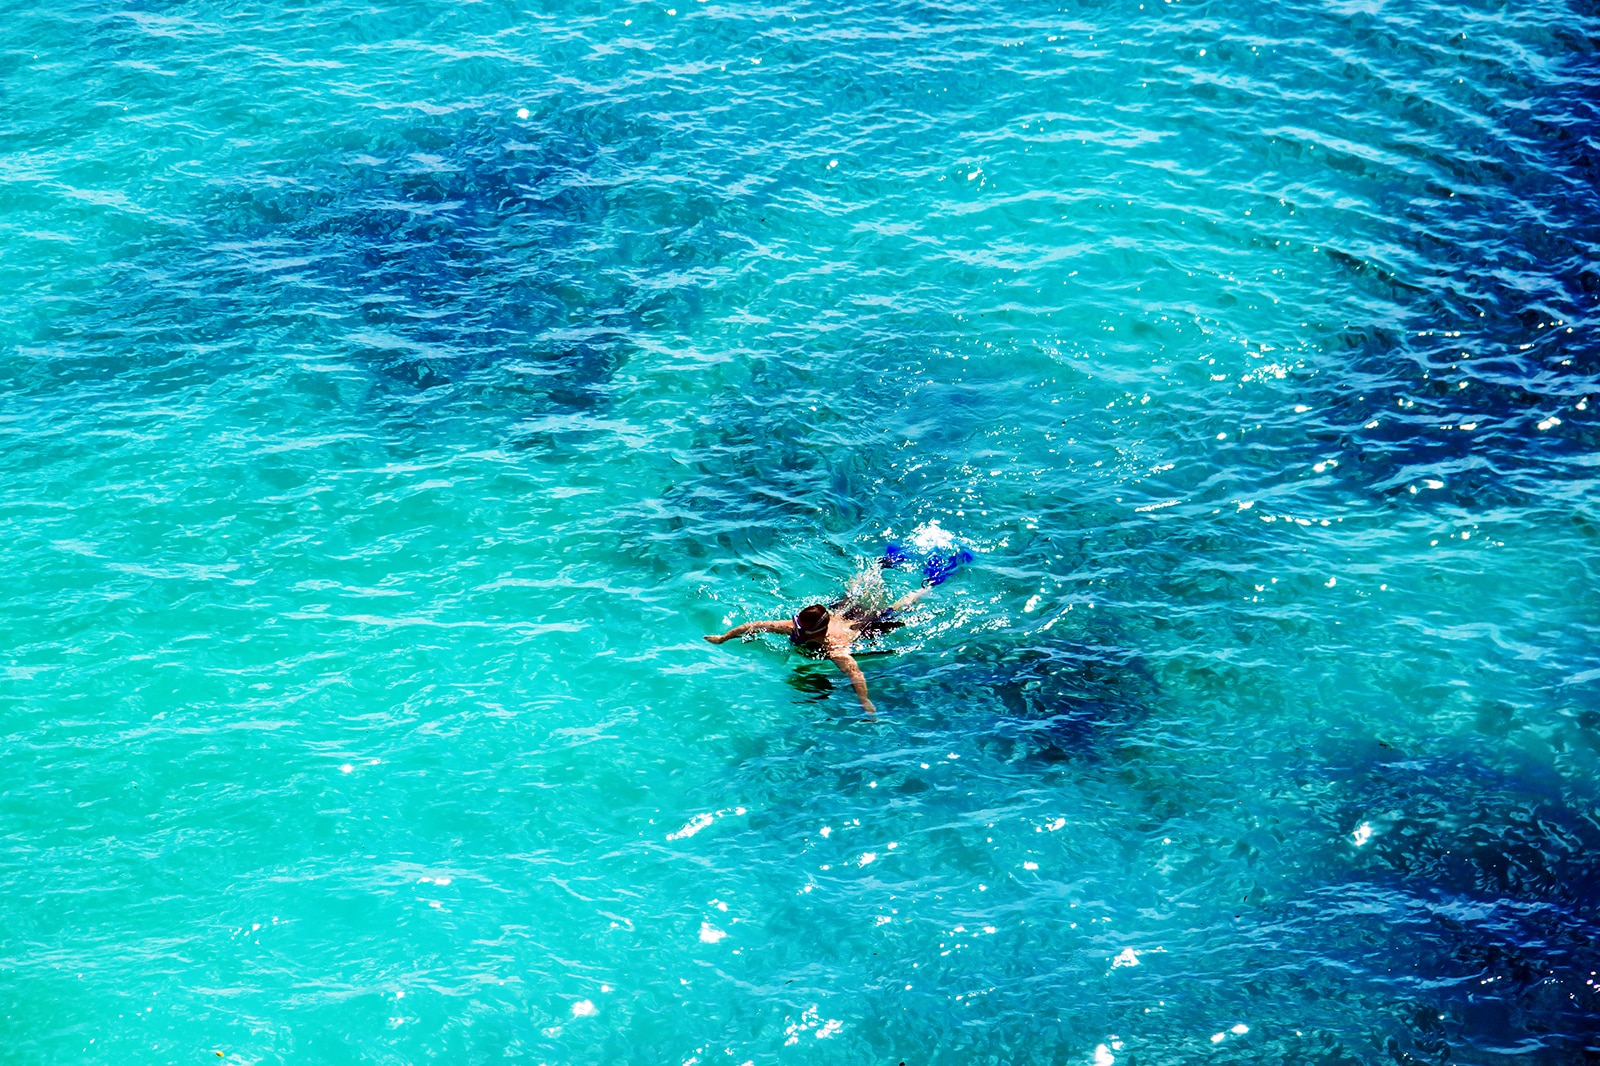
(938, 568)
(893, 556)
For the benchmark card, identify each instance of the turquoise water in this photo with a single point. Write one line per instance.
(393, 395)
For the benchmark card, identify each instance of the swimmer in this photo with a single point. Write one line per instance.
(830, 631)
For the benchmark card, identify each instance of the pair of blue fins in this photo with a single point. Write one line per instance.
(936, 566)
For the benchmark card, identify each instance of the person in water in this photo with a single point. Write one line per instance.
(830, 631)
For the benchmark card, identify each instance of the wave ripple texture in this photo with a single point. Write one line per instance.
(391, 397)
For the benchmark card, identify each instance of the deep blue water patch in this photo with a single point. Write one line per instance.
(1484, 881)
(508, 263)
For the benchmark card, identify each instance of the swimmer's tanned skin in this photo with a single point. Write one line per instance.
(831, 634)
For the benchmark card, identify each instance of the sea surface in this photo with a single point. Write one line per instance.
(393, 394)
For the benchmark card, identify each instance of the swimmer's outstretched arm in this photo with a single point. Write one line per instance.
(785, 627)
(846, 662)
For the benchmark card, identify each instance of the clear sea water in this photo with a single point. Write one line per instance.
(393, 394)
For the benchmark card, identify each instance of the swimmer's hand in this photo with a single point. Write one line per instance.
(716, 638)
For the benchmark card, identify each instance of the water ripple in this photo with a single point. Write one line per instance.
(393, 397)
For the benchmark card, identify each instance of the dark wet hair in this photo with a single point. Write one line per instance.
(811, 618)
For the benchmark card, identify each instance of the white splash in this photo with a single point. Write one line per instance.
(584, 1009)
(1362, 834)
(930, 537)
(710, 934)
(1126, 957)
(1103, 1056)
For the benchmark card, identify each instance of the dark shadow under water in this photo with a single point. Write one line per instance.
(487, 268)
(1486, 883)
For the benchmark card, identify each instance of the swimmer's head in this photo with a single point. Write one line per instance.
(812, 621)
